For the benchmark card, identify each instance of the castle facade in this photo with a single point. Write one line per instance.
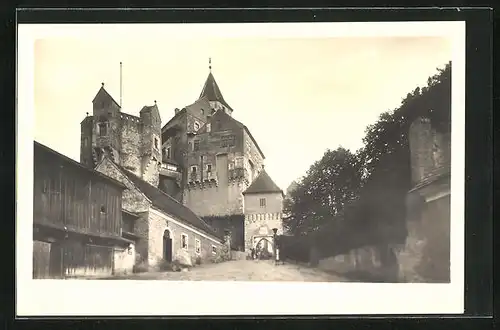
(202, 157)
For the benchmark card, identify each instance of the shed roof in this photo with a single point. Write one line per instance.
(169, 205)
(40, 150)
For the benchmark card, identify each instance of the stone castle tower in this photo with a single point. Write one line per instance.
(202, 156)
(218, 158)
(131, 142)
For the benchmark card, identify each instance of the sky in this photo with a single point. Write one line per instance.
(298, 97)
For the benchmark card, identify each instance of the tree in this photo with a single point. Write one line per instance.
(328, 186)
(386, 152)
(360, 198)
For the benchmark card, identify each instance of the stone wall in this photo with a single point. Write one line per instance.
(130, 157)
(217, 200)
(151, 144)
(132, 201)
(158, 225)
(253, 158)
(124, 260)
(367, 264)
(426, 254)
(430, 149)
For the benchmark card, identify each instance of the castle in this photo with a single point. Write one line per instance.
(202, 157)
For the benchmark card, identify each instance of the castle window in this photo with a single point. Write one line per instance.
(85, 142)
(193, 170)
(209, 127)
(196, 145)
(227, 141)
(262, 202)
(184, 241)
(209, 168)
(168, 152)
(231, 166)
(239, 162)
(197, 246)
(214, 249)
(156, 143)
(103, 129)
(103, 210)
(202, 111)
(196, 126)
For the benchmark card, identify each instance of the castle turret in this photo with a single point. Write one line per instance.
(101, 132)
(151, 144)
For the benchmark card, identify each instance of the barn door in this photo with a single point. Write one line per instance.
(167, 246)
(56, 260)
(41, 259)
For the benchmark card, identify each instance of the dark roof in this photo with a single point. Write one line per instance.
(437, 174)
(212, 91)
(148, 108)
(40, 148)
(196, 107)
(169, 205)
(263, 184)
(217, 116)
(131, 214)
(104, 94)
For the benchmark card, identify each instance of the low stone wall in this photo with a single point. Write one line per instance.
(239, 255)
(368, 264)
(426, 254)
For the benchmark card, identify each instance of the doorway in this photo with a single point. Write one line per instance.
(167, 246)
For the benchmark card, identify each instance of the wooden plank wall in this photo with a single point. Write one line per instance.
(87, 260)
(41, 259)
(66, 196)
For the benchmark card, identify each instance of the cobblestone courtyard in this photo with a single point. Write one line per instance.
(243, 270)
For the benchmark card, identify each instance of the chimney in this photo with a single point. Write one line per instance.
(176, 110)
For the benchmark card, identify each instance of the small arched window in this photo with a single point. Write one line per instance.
(196, 126)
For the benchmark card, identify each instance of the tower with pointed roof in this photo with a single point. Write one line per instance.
(263, 201)
(133, 142)
(219, 159)
(202, 157)
(211, 92)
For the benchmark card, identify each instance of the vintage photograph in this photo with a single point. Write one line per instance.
(243, 159)
(308, 160)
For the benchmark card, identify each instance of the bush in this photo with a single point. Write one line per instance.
(165, 266)
(140, 268)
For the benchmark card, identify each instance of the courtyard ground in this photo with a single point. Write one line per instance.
(242, 270)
